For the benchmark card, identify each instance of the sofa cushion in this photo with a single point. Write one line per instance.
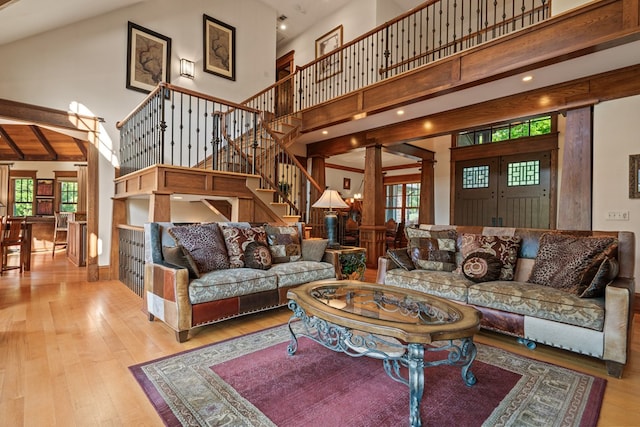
(401, 258)
(296, 273)
(205, 244)
(257, 255)
(220, 284)
(607, 271)
(237, 235)
(313, 249)
(178, 255)
(432, 250)
(481, 267)
(539, 301)
(503, 247)
(439, 283)
(570, 262)
(284, 242)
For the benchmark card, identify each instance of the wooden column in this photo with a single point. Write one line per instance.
(316, 216)
(372, 228)
(159, 207)
(575, 202)
(426, 212)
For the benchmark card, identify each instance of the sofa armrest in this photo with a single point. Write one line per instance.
(619, 296)
(166, 295)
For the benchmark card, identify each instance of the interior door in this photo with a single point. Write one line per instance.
(476, 191)
(524, 190)
(507, 191)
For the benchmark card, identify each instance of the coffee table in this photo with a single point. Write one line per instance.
(389, 323)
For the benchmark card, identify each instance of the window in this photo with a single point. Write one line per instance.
(506, 131)
(22, 196)
(403, 202)
(68, 196)
(475, 177)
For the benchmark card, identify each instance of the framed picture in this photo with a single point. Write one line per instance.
(634, 176)
(44, 206)
(148, 59)
(346, 183)
(44, 187)
(330, 65)
(219, 48)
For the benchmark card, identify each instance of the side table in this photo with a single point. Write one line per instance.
(350, 261)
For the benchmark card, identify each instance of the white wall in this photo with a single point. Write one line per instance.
(83, 68)
(357, 18)
(615, 138)
(45, 169)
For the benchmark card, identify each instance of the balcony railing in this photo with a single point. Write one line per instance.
(432, 31)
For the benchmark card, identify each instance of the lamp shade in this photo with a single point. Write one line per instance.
(330, 199)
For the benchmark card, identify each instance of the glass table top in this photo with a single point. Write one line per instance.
(391, 305)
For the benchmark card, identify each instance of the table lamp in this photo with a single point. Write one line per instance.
(330, 199)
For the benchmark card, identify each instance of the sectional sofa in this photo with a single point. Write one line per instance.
(199, 274)
(568, 289)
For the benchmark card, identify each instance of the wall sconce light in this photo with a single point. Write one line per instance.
(187, 68)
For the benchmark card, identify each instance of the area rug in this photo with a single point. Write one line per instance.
(252, 381)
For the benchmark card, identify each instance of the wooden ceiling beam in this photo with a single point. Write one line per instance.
(11, 143)
(81, 147)
(43, 140)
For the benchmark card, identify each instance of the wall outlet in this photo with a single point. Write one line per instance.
(618, 216)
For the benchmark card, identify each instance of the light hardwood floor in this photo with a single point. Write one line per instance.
(66, 345)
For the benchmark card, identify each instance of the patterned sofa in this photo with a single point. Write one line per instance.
(532, 301)
(199, 274)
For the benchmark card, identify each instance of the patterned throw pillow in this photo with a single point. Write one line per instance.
(432, 250)
(205, 245)
(570, 262)
(313, 249)
(481, 267)
(257, 255)
(505, 248)
(284, 242)
(178, 255)
(237, 236)
(607, 271)
(401, 258)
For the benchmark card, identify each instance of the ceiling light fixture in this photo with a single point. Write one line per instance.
(325, 132)
(527, 78)
(400, 112)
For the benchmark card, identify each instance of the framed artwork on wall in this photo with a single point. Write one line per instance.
(346, 183)
(148, 58)
(44, 206)
(634, 176)
(44, 187)
(330, 65)
(219, 48)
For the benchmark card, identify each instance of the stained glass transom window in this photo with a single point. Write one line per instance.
(475, 177)
(523, 173)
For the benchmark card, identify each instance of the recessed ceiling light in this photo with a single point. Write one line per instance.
(283, 26)
(325, 132)
(400, 112)
(527, 78)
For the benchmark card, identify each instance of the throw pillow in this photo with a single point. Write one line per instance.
(607, 271)
(505, 248)
(237, 236)
(284, 242)
(570, 262)
(481, 267)
(401, 258)
(313, 249)
(205, 245)
(257, 255)
(432, 250)
(178, 255)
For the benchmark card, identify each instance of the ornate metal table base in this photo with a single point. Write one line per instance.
(392, 352)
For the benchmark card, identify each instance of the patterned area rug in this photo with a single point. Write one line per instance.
(252, 381)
